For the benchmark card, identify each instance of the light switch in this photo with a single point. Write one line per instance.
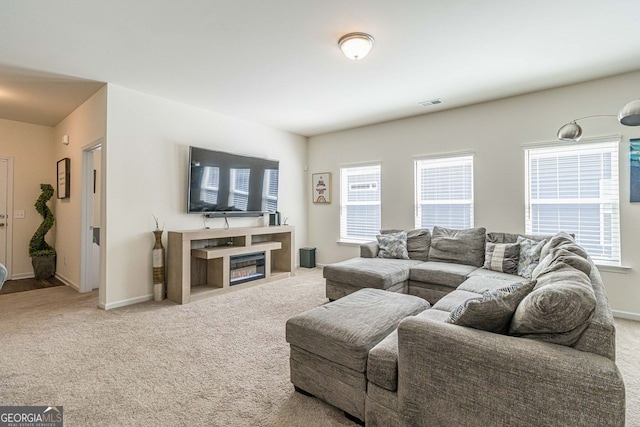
(18, 214)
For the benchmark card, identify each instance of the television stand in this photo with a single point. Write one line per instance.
(199, 261)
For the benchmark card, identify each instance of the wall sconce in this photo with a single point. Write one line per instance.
(629, 115)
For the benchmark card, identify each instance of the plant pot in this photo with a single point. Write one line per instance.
(44, 266)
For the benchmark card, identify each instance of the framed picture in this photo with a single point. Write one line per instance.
(321, 187)
(64, 178)
(634, 172)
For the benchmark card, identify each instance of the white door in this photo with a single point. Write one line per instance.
(4, 213)
(91, 221)
(95, 229)
(6, 209)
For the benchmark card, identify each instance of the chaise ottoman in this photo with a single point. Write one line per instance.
(346, 277)
(330, 344)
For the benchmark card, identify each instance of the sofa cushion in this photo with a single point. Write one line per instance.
(574, 248)
(559, 308)
(441, 273)
(393, 245)
(530, 251)
(458, 246)
(482, 284)
(382, 365)
(380, 273)
(493, 310)
(418, 243)
(495, 275)
(345, 330)
(555, 241)
(453, 299)
(562, 255)
(434, 314)
(502, 257)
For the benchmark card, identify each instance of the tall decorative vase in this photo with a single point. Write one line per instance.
(158, 267)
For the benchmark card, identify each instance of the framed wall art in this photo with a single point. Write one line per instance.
(634, 170)
(64, 178)
(321, 187)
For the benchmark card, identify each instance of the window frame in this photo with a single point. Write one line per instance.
(596, 145)
(344, 237)
(459, 157)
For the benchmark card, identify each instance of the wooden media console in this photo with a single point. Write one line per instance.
(199, 261)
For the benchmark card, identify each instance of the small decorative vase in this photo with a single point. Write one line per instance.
(158, 267)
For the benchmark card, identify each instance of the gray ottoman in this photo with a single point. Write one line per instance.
(330, 344)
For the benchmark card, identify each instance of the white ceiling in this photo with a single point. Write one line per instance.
(277, 62)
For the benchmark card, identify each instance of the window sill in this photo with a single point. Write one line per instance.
(620, 269)
(353, 242)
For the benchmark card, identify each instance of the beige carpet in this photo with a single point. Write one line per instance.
(222, 361)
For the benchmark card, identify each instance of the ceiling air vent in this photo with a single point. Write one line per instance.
(431, 102)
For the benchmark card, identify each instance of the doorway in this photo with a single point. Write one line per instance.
(6, 210)
(91, 217)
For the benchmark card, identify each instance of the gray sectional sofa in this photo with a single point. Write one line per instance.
(542, 353)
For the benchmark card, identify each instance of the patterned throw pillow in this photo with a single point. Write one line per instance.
(493, 310)
(530, 251)
(502, 257)
(418, 242)
(393, 245)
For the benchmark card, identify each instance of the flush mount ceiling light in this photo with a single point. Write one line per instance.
(629, 115)
(356, 46)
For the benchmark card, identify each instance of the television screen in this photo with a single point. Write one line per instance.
(225, 184)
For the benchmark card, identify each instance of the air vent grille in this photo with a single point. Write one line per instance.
(431, 102)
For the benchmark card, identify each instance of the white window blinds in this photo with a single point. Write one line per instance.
(359, 203)
(444, 192)
(574, 188)
(270, 190)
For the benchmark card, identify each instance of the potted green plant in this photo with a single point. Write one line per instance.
(43, 255)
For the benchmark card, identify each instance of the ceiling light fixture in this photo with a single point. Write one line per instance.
(356, 46)
(629, 115)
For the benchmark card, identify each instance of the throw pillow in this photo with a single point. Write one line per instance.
(530, 251)
(502, 257)
(393, 245)
(561, 255)
(418, 242)
(500, 237)
(458, 246)
(557, 240)
(493, 310)
(559, 309)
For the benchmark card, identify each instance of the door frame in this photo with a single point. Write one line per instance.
(87, 215)
(9, 222)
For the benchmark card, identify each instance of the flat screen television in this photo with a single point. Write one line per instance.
(225, 184)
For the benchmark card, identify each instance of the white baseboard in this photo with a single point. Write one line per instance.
(67, 282)
(126, 302)
(626, 315)
(18, 276)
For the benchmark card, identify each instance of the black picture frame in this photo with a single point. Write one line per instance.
(64, 178)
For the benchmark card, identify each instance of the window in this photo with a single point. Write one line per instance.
(574, 188)
(210, 184)
(359, 203)
(444, 192)
(270, 190)
(239, 188)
